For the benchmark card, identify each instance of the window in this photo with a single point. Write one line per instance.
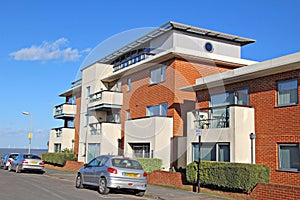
(95, 129)
(288, 157)
(158, 75)
(127, 114)
(287, 92)
(141, 150)
(212, 152)
(239, 96)
(57, 147)
(70, 123)
(86, 119)
(88, 91)
(119, 86)
(157, 110)
(128, 84)
(93, 150)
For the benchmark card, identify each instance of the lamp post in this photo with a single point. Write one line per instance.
(30, 130)
(252, 138)
(199, 125)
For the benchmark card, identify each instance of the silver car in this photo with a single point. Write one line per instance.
(27, 162)
(113, 172)
(7, 159)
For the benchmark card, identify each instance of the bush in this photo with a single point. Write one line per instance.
(59, 158)
(150, 164)
(234, 177)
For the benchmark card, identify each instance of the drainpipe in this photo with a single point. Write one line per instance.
(252, 138)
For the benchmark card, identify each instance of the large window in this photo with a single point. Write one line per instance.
(289, 157)
(287, 92)
(141, 150)
(157, 110)
(212, 152)
(93, 150)
(239, 96)
(158, 75)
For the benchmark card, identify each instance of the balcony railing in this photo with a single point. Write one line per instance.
(213, 117)
(132, 59)
(64, 110)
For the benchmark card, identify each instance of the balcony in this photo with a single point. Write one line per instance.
(225, 124)
(64, 111)
(105, 100)
(62, 135)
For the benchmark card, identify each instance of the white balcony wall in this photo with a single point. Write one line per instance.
(237, 134)
(157, 131)
(64, 110)
(108, 97)
(65, 139)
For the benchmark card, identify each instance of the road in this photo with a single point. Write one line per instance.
(31, 186)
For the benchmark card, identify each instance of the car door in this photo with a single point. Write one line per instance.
(89, 171)
(99, 169)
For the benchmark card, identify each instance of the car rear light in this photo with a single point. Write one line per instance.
(112, 170)
(9, 160)
(42, 163)
(144, 174)
(24, 162)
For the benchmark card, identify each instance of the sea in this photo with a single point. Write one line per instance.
(4, 151)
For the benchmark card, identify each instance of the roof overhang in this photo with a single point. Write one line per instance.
(190, 55)
(266, 68)
(71, 91)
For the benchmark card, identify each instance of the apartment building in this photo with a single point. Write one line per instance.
(260, 100)
(67, 136)
(131, 103)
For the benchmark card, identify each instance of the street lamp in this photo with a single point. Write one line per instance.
(30, 131)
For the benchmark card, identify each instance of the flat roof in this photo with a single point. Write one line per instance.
(269, 67)
(175, 26)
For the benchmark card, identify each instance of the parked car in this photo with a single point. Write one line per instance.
(7, 159)
(27, 162)
(113, 172)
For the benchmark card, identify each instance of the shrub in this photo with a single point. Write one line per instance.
(150, 164)
(59, 158)
(234, 177)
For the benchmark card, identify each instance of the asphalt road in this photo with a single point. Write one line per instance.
(31, 186)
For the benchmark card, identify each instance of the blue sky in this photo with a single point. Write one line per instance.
(43, 44)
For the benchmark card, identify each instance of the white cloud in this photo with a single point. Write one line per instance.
(57, 50)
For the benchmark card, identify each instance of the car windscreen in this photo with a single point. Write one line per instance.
(13, 156)
(126, 163)
(31, 156)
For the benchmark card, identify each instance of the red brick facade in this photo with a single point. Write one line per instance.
(179, 73)
(273, 125)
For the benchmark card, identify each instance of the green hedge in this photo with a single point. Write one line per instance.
(234, 177)
(59, 158)
(150, 164)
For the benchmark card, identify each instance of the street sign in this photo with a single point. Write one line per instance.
(198, 132)
(29, 135)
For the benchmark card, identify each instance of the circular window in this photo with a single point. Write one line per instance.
(209, 47)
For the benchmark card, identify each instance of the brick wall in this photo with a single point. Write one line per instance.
(273, 124)
(275, 192)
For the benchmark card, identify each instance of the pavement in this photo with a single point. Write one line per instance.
(153, 191)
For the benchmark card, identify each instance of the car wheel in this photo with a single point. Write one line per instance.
(103, 186)
(18, 170)
(9, 168)
(78, 183)
(140, 193)
(5, 167)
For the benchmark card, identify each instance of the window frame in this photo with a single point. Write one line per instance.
(215, 148)
(161, 112)
(279, 157)
(277, 91)
(163, 73)
(128, 84)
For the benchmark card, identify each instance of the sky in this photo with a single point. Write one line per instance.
(43, 44)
